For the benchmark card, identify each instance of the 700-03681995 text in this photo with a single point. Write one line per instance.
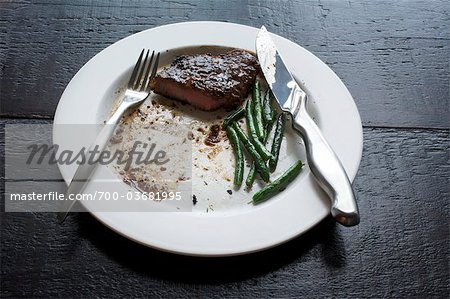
(97, 195)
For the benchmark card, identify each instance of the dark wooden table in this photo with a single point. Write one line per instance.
(394, 58)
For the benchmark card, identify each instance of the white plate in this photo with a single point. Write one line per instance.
(89, 96)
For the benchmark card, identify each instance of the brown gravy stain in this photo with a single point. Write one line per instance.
(213, 135)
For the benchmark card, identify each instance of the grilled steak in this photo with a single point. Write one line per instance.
(207, 81)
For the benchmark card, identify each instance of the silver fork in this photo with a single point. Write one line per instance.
(138, 89)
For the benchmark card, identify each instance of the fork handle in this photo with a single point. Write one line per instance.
(85, 171)
(326, 168)
(101, 140)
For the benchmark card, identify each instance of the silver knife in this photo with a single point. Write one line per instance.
(323, 162)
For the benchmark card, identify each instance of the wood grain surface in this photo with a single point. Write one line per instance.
(400, 248)
(392, 55)
(394, 58)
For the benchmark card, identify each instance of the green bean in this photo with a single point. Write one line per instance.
(263, 152)
(269, 112)
(252, 174)
(239, 156)
(257, 111)
(279, 184)
(277, 140)
(259, 162)
(236, 115)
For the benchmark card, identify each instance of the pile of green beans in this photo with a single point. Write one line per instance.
(268, 116)
(253, 133)
(252, 173)
(261, 166)
(260, 118)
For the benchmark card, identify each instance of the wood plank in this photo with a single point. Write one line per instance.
(393, 55)
(399, 250)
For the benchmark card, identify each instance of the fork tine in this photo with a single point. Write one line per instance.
(138, 81)
(155, 68)
(146, 79)
(135, 70)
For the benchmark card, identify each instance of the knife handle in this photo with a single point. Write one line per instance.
(326, 167)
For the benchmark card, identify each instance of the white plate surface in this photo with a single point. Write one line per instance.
(88, 99)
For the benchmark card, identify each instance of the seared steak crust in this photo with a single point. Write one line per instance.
(209, 81)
